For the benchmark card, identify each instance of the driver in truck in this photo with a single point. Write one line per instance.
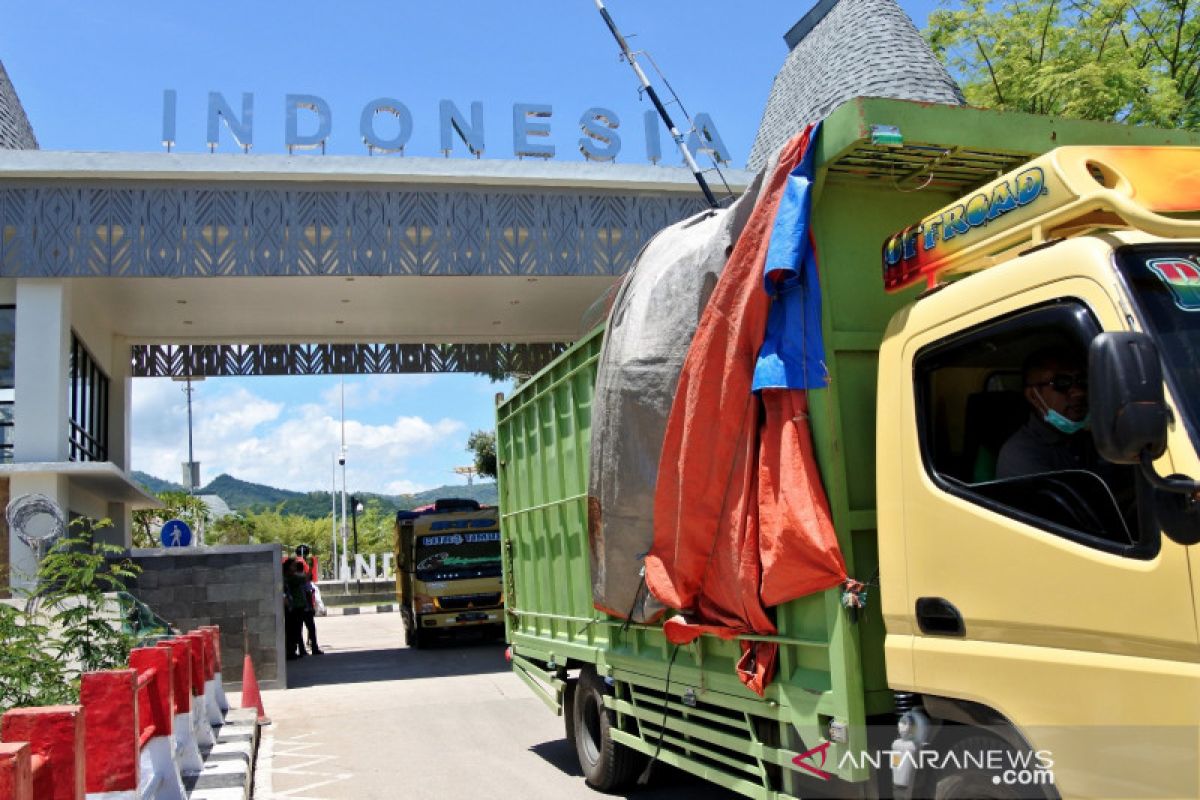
(1053, 438)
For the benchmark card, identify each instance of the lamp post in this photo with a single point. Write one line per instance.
(191, 470)
(342, 462)
(333, 561)
(345, 572)
(355, 507)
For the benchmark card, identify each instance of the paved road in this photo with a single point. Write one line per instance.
(374, 720)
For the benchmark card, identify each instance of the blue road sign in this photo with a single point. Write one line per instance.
(176, 533)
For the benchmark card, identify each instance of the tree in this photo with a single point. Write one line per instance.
(176, 505)
(235, 528)
(483, 445)
(1132, 61)
(70, 625)
(72, 581)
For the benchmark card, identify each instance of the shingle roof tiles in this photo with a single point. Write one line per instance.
(852, 48)
(15, 132)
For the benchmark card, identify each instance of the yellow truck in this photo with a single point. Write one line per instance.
(448, 570)
(1017, 632)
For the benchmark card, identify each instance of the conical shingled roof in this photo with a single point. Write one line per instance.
(15, 132)
(844, 49)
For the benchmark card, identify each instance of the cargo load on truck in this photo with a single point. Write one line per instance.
(650, 327)
(710, 346)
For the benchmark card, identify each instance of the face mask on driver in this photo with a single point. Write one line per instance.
(1067, 426)
(1059, 422)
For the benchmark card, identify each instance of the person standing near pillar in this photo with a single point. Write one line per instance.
(295, 598)
(304, 556)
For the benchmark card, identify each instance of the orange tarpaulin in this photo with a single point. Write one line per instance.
(741, 521)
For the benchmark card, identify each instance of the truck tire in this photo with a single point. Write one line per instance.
(607, 766)
(417, 638)
(972, 784)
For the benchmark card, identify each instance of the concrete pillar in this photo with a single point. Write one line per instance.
(120, 396)
(41, 403)
(41, 408)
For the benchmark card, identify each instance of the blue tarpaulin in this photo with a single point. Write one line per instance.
(793, 350)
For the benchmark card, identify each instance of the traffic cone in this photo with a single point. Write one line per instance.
(250, 696)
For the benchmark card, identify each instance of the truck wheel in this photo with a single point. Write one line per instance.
(606, 765)
(972, 784)
(417, 638)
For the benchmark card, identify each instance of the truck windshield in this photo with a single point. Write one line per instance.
(452, 556)
(1165, 283)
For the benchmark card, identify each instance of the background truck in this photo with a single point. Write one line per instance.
(1021, 637)
(448, 570)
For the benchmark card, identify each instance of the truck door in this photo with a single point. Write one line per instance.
(1049, 598)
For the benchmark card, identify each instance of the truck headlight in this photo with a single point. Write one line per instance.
(425, 604)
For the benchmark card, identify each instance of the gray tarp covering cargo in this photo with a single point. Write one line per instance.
(651, 324)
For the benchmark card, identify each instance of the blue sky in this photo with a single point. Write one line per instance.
(91, 76)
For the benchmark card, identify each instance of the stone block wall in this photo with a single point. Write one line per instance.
(191, 586)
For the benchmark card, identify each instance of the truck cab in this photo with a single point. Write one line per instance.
(1045, 601)
(448, 570)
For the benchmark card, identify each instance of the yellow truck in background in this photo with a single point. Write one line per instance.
(448, 570)
(1025, 635)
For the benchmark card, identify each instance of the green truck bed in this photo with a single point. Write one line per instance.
(831, 668)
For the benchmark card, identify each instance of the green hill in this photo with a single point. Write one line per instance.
(153, 484)
(485, 493)
(245, 496)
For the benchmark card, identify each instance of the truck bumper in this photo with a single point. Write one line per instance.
(462, 619)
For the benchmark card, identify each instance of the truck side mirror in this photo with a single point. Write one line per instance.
(1129, 425)
(1128, 410)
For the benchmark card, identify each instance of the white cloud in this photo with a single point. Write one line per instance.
(234, 413)
(405, 487)
(377, 390)
(255, 439)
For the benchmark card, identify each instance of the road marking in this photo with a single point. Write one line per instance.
(309, 755)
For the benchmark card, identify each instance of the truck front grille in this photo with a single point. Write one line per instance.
(458, 602)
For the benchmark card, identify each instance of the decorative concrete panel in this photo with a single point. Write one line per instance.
(161, 361)
(185, 230)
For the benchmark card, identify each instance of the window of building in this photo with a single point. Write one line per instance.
(973, 401)
(8, 353)
(89, 406)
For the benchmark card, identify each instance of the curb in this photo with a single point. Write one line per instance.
(263, 787)
(228, 772)
(348, 611)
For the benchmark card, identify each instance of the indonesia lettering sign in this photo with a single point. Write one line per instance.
(385, 125)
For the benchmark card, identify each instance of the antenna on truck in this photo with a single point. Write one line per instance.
(680, 142)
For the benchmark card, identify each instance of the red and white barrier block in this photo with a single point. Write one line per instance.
(201, 728)
(211, 707)
(54, 766)
(215, 631)
(156, 721)
(16, 775)
(127, 730)
(187, 751)
(138, 733)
